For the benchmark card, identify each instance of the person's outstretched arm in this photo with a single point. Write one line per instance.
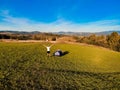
(51, 45)
(44, 45)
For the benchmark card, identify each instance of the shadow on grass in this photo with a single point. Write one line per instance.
(64, 53)
(107, 77)
(104, 81)
(78, 72)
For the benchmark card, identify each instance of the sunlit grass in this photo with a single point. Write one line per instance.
(26, 65)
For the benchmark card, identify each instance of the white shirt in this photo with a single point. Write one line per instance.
(48, 48)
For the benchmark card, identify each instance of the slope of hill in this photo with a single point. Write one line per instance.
(88, 33)
(107, 32)
(19, 32)
(26, 66)
(61, 32)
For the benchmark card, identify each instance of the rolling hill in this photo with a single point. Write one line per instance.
(26, 66)
(61, 32)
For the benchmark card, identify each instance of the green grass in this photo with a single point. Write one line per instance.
(26, 66)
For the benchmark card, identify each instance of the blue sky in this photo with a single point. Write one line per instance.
(60, 15)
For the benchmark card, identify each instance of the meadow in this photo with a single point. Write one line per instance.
(25, 66)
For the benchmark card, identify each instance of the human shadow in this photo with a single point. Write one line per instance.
(64, 53)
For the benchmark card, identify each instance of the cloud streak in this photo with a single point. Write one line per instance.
(9, 22)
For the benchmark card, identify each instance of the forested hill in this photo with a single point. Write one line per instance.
(87, 33)
(61, 32)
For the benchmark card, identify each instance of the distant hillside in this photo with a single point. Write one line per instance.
(19, 32)
(74, 33)
(61, 32)
(88, 33)
(107, 32)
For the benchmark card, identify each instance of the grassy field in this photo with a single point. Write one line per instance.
(25, 66)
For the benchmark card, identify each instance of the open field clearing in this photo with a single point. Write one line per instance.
(26, 66)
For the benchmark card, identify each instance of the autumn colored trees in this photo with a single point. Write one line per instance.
(111, 41)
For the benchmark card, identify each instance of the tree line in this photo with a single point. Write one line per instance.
(42, 36)
(111, 41)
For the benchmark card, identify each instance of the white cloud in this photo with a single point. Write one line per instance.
(8, 22)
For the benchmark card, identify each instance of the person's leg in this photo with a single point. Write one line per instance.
(48, 53)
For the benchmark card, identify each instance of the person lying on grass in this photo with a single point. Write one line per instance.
(48, 49)
(58, 53)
